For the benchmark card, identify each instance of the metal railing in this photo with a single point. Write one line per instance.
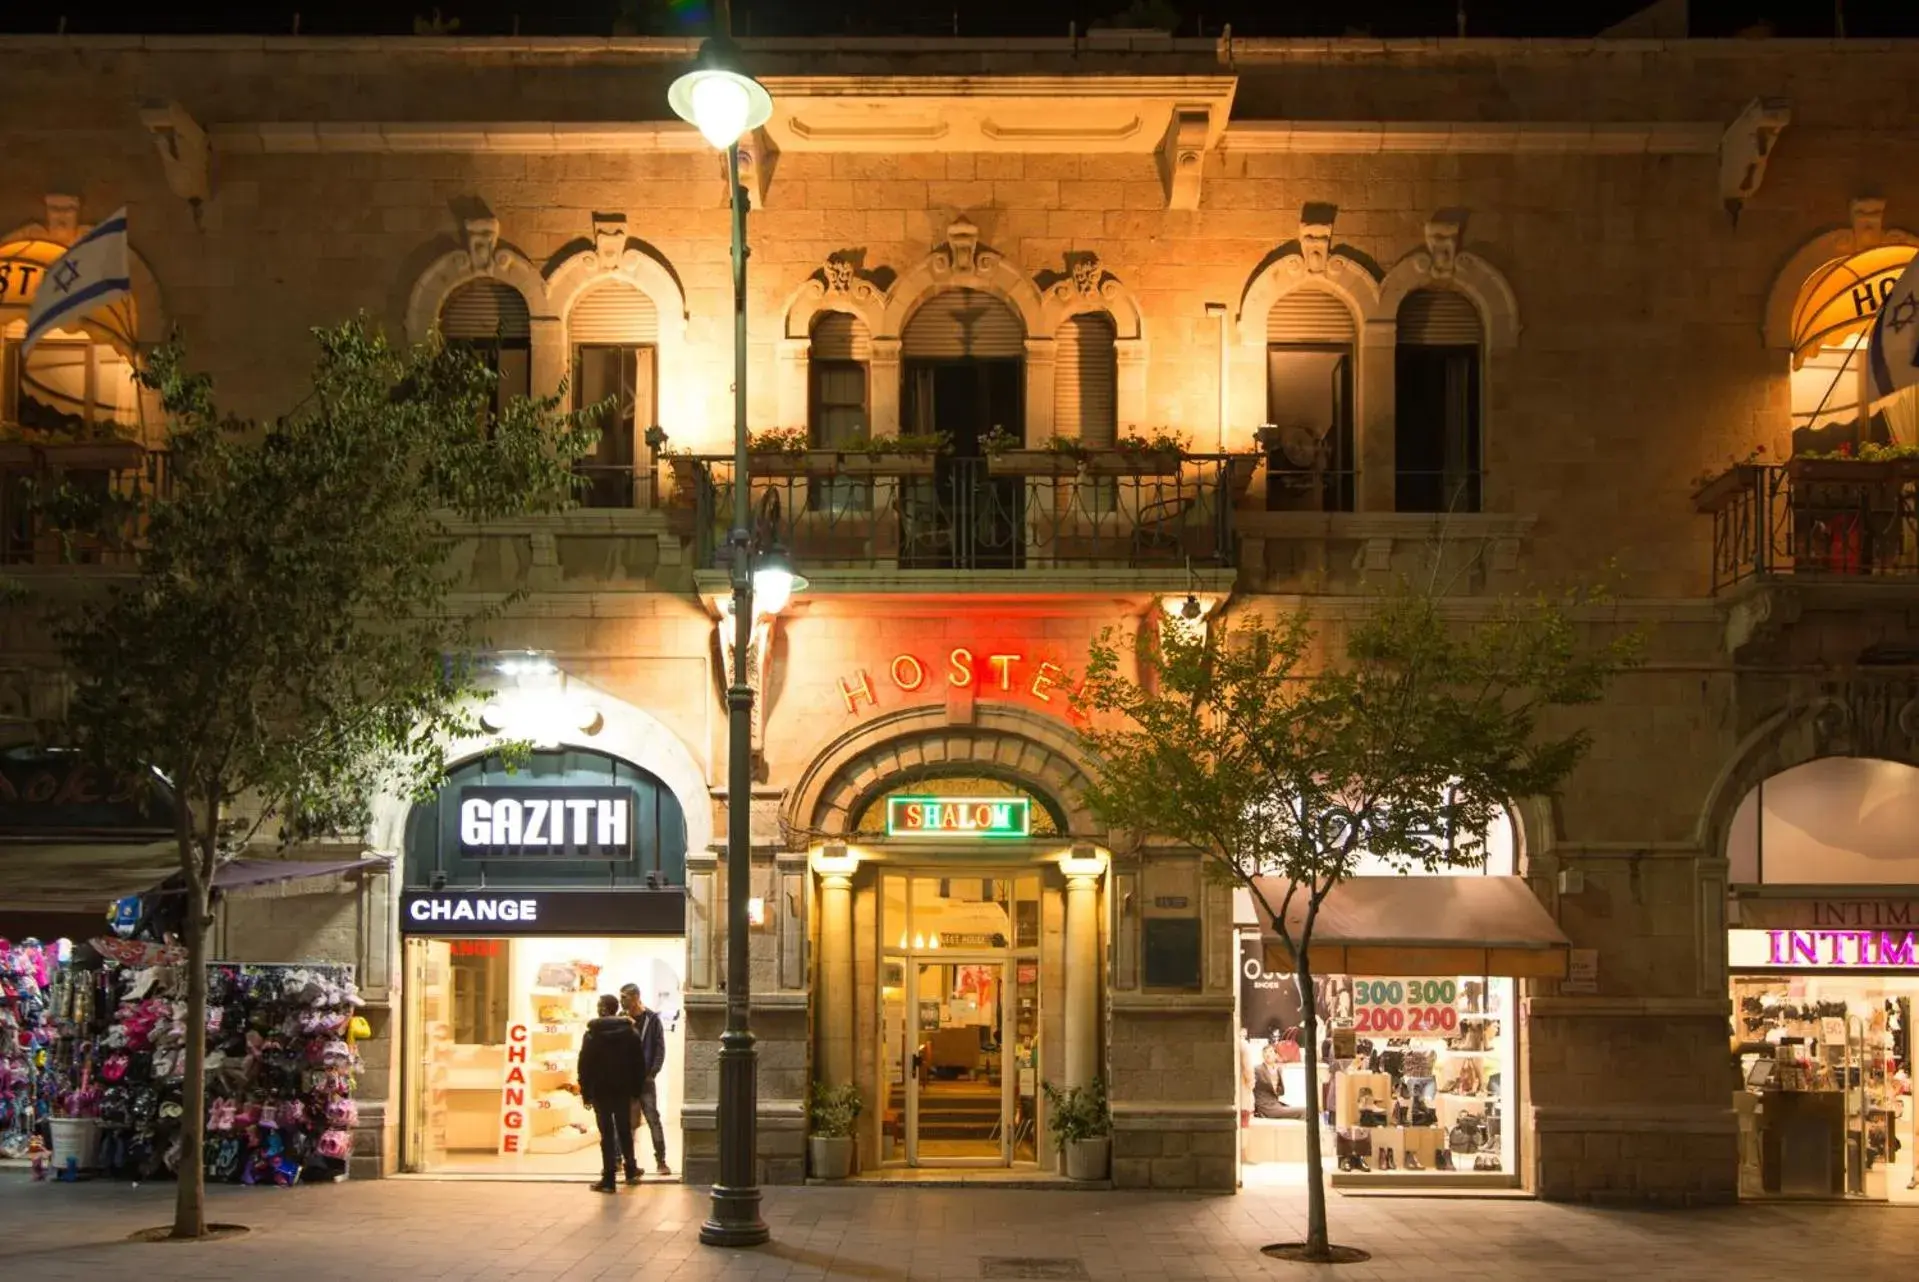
(604, 486)
(1817, 518)
(70, 506)
(980, 514)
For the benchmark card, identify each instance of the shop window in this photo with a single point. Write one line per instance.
(614, 331)
(67, 385)
(1311, 339)
(491, 320)
(839, 414)
(1835, 821)
(1436, 410)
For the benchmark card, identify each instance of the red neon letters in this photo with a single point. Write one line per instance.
(1003, 673)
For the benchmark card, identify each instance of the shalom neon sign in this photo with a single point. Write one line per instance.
(982, 674)
(1848, 948)
(959, 817)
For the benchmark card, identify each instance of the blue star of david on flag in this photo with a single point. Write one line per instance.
(92, 274)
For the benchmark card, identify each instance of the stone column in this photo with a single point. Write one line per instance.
(1040, 375)
(1082, 976)
(836, 971)
(794, 367)
(1377, 386)
(883, 387)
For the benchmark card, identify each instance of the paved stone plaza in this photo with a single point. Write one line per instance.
(420, 1230)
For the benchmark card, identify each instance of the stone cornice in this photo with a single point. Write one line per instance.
(1385, 137)
(415, 137)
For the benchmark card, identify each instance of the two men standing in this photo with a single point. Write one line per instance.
(620, 1056)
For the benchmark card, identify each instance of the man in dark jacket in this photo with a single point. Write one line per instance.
(653, 1039)
(612, 1069)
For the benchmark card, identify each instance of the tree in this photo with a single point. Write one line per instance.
(1278, 752)
(290, 640)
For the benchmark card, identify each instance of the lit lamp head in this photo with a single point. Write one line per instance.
(718, 98)
(774, 581)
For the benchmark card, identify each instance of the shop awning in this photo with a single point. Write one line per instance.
(1424, 926)
(83, 874)
(242, 874)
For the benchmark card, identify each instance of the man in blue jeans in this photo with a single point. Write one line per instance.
(653, 1056)
(611, 1074)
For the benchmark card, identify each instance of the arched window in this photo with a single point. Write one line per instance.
(75, 382)
(490, 318)
(1834, 821)
(1831, 320)
(1436, 403)
(1310, 342)
(613, 331)
(839, 405)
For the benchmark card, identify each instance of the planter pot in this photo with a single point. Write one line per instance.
(1032, 463)
(830, 1156)
(15, 452)
(1739, 479)
(1814, 471)
(886, 464)
(1088, 1159)
(1133, 463)
(781, 464)
(110, 454)
(77, 1138)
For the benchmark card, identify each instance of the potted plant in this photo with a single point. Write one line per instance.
(834, 1113)
(1007, 455)
(779, 451)
(1082, 1128)
(1137, 455)
(904, 455)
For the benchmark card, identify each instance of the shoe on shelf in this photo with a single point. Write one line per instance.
(605, 1186)
(662, 1168)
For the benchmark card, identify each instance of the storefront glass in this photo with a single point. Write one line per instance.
(1824, 1054)
(473, 1004)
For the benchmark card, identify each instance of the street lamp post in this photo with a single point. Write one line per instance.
(724, 103)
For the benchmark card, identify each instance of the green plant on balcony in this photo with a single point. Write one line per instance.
(904, 443)
(791, 441)
(1712, 477)
(1164, 440)
(1135, 454)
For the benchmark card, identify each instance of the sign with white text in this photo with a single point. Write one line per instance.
(546, 823)
(493, 914)
(959, 817)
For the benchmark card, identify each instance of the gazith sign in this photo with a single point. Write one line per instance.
(959, 817)
(546, 823)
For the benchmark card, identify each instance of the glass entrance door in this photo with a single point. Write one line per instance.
(959, 1010)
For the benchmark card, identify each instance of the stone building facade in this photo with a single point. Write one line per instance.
(1139, 234)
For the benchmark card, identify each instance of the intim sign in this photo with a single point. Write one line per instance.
(1841, 948)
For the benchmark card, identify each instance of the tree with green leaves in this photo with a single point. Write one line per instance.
(1286, 753)
(292, 643)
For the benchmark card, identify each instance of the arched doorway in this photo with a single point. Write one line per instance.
(958, 895)
(1824, 978)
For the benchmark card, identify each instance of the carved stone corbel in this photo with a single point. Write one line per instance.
(182, 145)
(759, 652)
(1315, 246)
(1868, 222)
(1746, 147)
(63, 218)
(758, 158)
(482, 237)
(1442, 247)
(962, 254)
(609, 240)
(1182, 156)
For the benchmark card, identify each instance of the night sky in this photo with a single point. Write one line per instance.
(1382, 18)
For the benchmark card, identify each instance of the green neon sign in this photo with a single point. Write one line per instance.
(959, 817)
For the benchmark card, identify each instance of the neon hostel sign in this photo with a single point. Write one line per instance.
(985, 675)
(1843, 948)
(959, 817)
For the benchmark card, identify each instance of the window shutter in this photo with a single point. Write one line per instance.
(963, 322)
(1310, 316)
(485, 309)
(1085, 373)
(840, 336)
(1438, 318)
(613, 312)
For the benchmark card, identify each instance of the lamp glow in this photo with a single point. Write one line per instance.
(774, 582)
(718, 99)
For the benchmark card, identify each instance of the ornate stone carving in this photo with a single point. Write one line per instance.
(1442, 247)
(609, 240)
(1315, 246)
(63, 218)
(1086, 282)
(482, 242)
(1087, 274)
(1868, 222)
(961, 254)
(1866, 717)
(1746, 147)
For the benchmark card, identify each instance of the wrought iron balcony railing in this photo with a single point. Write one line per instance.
(76, 504)
(1842, 519)
(925, 513)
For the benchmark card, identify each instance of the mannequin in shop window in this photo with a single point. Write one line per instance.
(1269, 1088)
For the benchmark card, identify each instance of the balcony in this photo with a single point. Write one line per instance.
(1835, 521)
(925, 512)
(75, 503)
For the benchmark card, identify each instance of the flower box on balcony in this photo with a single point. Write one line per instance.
(15, 452)
(1717, 492)
(784, 463)
(107, 454)
(1842, 471)
(1033, 463)
(1133, 463)
(887, 464)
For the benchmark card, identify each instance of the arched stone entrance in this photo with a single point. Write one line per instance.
(961, 948)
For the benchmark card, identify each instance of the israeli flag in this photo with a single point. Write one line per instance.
(1892, 353)
(92, 274)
